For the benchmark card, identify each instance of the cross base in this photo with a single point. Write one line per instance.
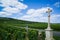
(49, 34)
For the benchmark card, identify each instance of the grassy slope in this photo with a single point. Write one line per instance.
(21, 23)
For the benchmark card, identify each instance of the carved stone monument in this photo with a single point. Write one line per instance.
(48, 31)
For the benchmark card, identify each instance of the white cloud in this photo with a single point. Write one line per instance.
(11, 6)
(55, 15)
(57, 4)
(39, 15)
(5, 14)
(55, 18)
(11, 10)
(14, 6)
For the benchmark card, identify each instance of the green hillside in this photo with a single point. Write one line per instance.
(21, 23)
(9, 29)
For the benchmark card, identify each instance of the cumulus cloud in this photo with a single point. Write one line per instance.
(39, 15)
(55, 18)
(11, 6)
(11, 10)
(36, 15)
(4, 14)
(57, 4)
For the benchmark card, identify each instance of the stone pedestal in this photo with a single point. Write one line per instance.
(49, 34)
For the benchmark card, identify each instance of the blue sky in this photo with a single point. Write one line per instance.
(30, 10)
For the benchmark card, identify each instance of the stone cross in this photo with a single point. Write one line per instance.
(27, 28)
(48, 11)
(27, 33)
(48, 31)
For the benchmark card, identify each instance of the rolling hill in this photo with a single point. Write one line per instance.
(21, 23)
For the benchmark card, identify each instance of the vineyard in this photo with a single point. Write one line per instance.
(9, 29)
(13, 33)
